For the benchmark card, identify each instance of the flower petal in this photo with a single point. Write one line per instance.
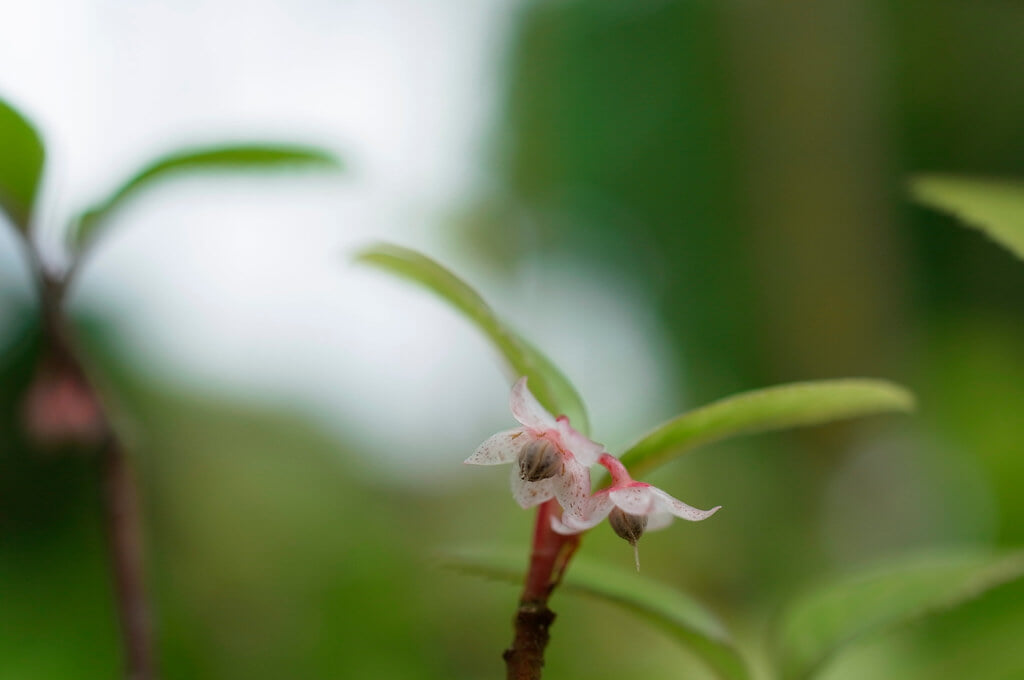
(528, 410)
(635, 499)
(658, 520)
(500, 448)
(529, 494)
(594, 510)
(666, 503)
(560, 527)
(572, 489)
(583, 449)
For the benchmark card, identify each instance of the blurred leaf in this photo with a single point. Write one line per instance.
(21, 166)
(772, 408)
(979, 639)
(996, 207)
(547, 383)
(240, 157)
(819, 624)
(669, 609)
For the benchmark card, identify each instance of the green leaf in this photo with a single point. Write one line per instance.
(996, 207)
(773, 408)
(21, 166)
(821, 623)
(239, 157)
(671, 610)
(547, 383)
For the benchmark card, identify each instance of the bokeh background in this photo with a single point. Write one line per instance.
(676, 199)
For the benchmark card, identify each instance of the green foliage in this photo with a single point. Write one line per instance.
(235, 157)
(21, 166)
(671, 610)
(773, 408)
(547, 383)
(996, 207)
(978, 639)
(824, 621)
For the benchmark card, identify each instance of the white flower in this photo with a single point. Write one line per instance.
(631, 507)
(637, 499)
(552, 459)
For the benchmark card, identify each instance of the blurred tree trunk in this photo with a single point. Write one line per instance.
(817, 183)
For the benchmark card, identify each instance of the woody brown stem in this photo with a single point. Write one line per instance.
(525, 659)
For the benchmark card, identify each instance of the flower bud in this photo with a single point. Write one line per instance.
(628, 527)
(539, 460)
(61, 408)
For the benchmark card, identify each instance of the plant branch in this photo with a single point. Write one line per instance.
(550, 556)
(64, 406)
(124, 538)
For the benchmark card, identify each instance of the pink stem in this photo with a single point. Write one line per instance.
(548, 560)
(618, 471)
(547, 545)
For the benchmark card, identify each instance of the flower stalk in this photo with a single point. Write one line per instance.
(126, 550)
(549, 558)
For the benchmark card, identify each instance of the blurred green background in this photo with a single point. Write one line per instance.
(742, 165)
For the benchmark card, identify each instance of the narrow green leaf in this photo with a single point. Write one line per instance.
(547, 383)
(238, 157)
(21, 166)
(773, 408)
(671, 610)
(996, 207)
(821, 623)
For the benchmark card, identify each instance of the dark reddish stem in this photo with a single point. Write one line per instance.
(124, 536)
(550, 556)
(63, 405)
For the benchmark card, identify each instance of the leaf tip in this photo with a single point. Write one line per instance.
(371, 252)
(875, 395)
(902, 398)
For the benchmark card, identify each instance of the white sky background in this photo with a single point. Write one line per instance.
(242, 285)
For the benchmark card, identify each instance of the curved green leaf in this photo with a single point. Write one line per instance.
(773, 408)
(821, 623)
(235, 157)
(996, 207)
(547, 383)
(21, 166)
(671, 610)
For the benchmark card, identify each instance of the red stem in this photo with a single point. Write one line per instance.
(546, 548)
(549, 558)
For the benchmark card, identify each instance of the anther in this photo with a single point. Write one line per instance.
(539, 460)
(629, 527)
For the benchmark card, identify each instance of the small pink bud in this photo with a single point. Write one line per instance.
(60, 407)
